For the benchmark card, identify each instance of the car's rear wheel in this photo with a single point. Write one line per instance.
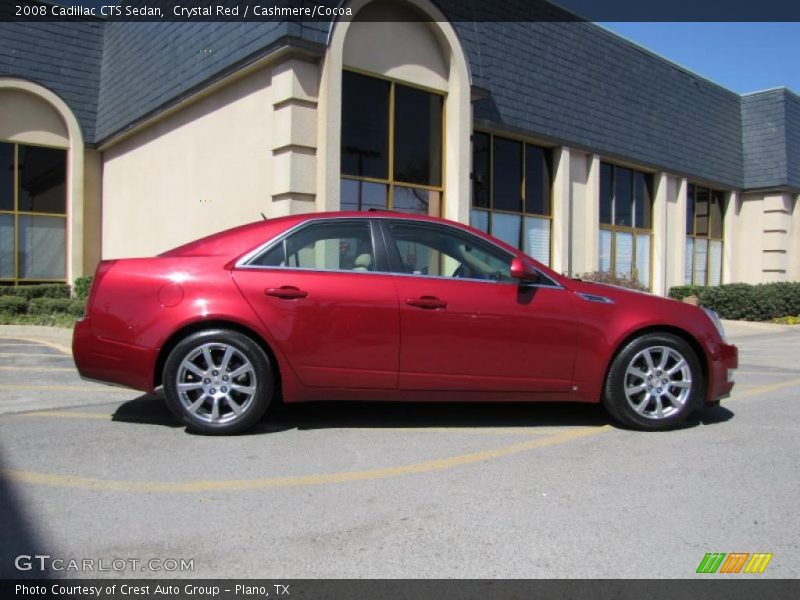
(654, 382)
(218, 382)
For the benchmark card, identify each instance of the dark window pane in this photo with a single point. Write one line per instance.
(6, 176)
(507, 175)
(42, 179)
(365, 126)
(362, 195)
(717, 212)
(537, 180)
(6, 247)
(623, 197)
(606, 192)
(701, 199)
(642, 200)
(479, 219)
(42, 247)
(417, 201)
(507, 228)
(417, 136)
(690, 194)
(480, 170)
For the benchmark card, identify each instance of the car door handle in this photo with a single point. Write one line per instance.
(286, 292)
(428, 302)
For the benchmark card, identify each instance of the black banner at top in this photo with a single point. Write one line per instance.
(453, 10)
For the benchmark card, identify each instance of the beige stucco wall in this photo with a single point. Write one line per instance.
(765, 246)
(379, 41)
(794, 245)
(92, 210)
(205, 168)
(748, 227)
(28, 119)
(583, 193)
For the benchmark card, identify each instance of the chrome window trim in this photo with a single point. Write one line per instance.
(268, 245)
(243, 263)
(551, 286)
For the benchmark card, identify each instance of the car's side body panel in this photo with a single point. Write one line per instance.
(521, 339)
(343, 333)
(604, 326)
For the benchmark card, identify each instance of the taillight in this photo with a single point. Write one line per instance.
(102, 268)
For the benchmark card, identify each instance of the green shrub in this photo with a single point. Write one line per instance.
(77, 307)
(82, 286)
(13, 305)
(612, 279)
(49, 306)
(745, 302)
(45, 290)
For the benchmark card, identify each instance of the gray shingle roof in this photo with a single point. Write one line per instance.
(579, 84)
(62, 56)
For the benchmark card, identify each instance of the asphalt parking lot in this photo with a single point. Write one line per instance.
(391, 491)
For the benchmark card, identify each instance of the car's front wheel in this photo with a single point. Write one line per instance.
(654, 382)
(218, 382)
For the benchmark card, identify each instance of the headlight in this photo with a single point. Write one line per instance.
(716, 321)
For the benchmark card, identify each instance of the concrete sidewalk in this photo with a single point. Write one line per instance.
(744, 329)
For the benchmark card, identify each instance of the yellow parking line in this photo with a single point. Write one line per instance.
(53, 345)
(763, 389)
(439, 464)
(65, 388)
(66, 414)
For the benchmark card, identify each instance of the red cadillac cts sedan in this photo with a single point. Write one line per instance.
(387, 306)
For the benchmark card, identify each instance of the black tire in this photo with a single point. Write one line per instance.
(194, 404)
(639, 408)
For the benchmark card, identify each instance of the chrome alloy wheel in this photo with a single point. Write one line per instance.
(657, 382)
(216, 383)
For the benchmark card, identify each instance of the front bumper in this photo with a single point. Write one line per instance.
(724, 360)
(110, 361)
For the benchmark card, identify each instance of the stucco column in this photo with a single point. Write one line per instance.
(794, 252)
(295, 90)
(458, 129)
(777, 224)
(585, 176)
(729, 237)
(561, 211)
(675, 233)
(661, 249)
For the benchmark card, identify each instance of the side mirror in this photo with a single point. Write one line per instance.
(523, 270)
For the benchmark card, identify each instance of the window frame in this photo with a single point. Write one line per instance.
(708, 237)
(15, 214)
(396, 262)
(376, 236)
(633, 230)
(390, 182)
(523, 213)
